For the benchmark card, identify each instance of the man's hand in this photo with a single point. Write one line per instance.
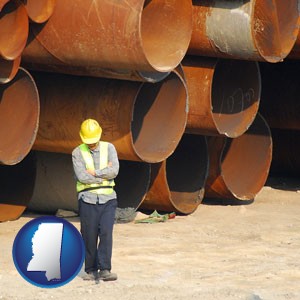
(91, 172)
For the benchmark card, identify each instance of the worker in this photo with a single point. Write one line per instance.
(95, 166)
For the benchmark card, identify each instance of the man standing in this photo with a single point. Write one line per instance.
(95, 165)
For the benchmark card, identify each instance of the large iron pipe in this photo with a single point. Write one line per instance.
(16, 188)
(224, 95)
(2, 3)
(19, 117)
(52, 193)
(39, 11)
(249, 30)
(36, 57)
(280, 99)
(239, 167)
(177, 184)
(144, 121)
(286, 160)
(9, 69)
(129, 35)
(14, 26)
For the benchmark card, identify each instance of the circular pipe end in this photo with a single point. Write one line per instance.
(159, 118)
(14, 28)
(39, 11)
(275, 28)
(246, 160)
(19, 117)
(235, 96)
(166, 31)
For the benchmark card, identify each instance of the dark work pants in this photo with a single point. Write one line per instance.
(97, 222)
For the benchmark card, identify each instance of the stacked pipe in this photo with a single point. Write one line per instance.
(175, 85)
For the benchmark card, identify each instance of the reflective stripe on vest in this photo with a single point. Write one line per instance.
(89, 163)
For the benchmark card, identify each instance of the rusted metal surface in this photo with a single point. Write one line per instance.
(249, 30)
(177, 184)
(16, 188)
(39, 11)
(224, 95)
(286, 159)
(9, 69)
(144, 121)
(52, 193)
(280, 99)
(239, 167)
(147, 36)
(14, 25)
(44, 61)
(19, 117)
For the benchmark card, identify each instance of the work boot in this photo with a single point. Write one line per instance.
(106, 275)
(91, 276)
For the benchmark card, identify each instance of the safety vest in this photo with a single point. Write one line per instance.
(106, 186)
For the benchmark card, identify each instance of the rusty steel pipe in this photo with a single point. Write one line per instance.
(39, 11)
(19, 117)
(147, 36)
(286, 160)
(14, 26)
(46, 62)
(177, 184)
(9, 69)
(239, 167)
(144, 121)
(16, 188)
(224, 95)
(52, 193)
(280, 94)
(249, 30)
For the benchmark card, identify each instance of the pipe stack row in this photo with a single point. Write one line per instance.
(176, 87)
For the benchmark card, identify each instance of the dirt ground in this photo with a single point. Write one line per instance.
(221, 251)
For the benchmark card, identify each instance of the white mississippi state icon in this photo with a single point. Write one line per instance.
(48, 252)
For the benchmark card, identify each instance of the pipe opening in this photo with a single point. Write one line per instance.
(275, 28)
(235, 96)
(19, 117)
(9, 69)
(13, 201)
(14, 28)
(186, 171)
(245, 161)
(39, 11)
(166, 31)
(159, 113)
(135, 175)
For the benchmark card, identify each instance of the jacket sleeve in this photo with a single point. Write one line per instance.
(80, 169)
(112, 171)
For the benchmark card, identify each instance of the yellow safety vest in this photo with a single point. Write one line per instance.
(106, 186)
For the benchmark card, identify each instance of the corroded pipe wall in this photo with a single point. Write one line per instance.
(14, 26)
(39, 11)
(239, 167)
(280, 100)
(131, 35)
(224, 95)
(144, 121)
(249, 30)
(177, 184)
(17, 184)
(19, 117)
(51, 193)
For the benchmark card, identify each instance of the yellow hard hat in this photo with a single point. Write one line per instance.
(90, 131)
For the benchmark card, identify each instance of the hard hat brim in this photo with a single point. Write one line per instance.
(90, 140)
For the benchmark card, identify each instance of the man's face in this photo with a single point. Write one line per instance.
(92, 146)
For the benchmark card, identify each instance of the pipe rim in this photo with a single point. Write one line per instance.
(9, 69)
(39, 11)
